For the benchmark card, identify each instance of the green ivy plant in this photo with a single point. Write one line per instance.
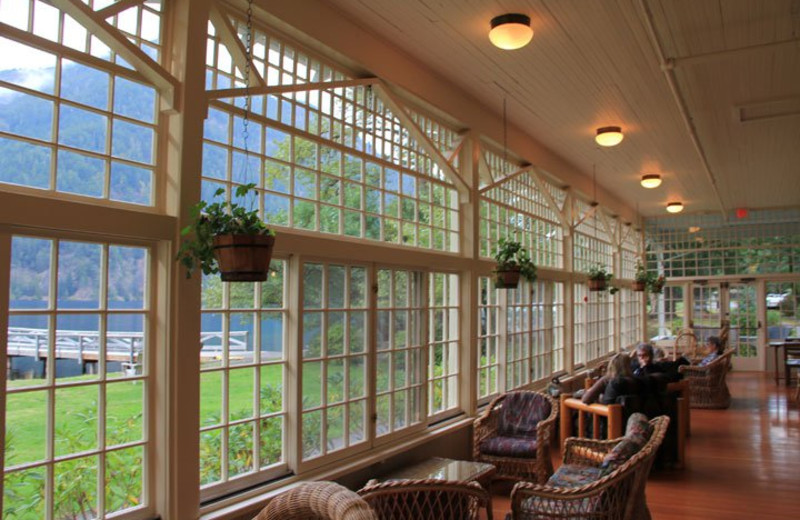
(652, 281)
(642, 276)
(599, 272)
(511, 255)
(218, 218)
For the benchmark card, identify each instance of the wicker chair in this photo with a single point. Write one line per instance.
(618, 495)
(426, 499)
(707, 386)
(320, 500)
(514, 435)
(685, 345)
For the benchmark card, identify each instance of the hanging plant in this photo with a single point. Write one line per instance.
(641, 279)
(656, 284)
(600, 279)
(513, 262)
(225, 237)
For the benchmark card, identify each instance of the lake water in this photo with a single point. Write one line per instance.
(29, 367)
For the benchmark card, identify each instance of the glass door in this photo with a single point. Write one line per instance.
(743, 336)
(712, 304)
(706, 314)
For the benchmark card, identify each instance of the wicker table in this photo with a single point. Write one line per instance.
(439, 468)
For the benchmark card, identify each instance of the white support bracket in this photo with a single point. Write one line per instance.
(231, 41)
(416, 132)
(592, 210)
(162, 80)
(540, 185)
(452, 153)
(117, 7)
(610, 229)
(516, 173)
(484, 172)
(282, 89)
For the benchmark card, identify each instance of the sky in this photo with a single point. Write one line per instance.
(45, 21)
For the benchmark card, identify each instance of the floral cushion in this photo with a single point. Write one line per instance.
(637, 432)
(639, 426)
(573, 475)
(521, 412)
(523, 447)
(623, 451)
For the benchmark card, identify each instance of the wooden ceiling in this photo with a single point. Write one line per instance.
(707, 91)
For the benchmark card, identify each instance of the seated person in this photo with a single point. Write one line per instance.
(645, 363)
(715, 350)
(645, 393)
(617, 381)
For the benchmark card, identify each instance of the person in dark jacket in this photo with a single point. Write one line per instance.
(617, 381)
(646, 365)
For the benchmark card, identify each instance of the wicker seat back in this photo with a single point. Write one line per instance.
(522, 414)
(425, 499)
(707, 384)
(320, 500)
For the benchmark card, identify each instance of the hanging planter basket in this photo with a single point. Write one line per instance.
(507, 279)
(638, 286)
(243, 258)
(597, 285)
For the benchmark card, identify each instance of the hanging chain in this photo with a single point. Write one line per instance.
(248, 58)
(505, 131)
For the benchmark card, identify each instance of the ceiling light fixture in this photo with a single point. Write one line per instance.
(511, 31)
(675, 207)
(651, 181)
(609, 136)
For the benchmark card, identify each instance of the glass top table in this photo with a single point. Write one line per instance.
(445, 469)
(439, 468)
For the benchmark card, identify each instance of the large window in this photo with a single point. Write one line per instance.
(520, 336)
(242, 363)
(594, 326)
(517, 208)
(443, 341)
(334, 160)
(400, 371)
(630, 317)
(78, 389)
(72, 123)
(334, 358)
(665, 312)
(489, 335)
(767, 241)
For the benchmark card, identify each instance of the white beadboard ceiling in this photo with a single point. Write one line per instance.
(734, 65)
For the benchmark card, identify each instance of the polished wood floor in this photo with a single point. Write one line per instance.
(742, 463)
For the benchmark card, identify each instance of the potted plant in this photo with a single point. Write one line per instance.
(225, 237)
(656, 283)
(599, 279)
(641, 279)
(513, 262)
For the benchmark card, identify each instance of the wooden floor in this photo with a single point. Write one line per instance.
(742, 463)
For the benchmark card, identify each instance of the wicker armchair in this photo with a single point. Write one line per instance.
(425, 499)
(707, 386)
(514, 435)
(317, 501)
(618, 495)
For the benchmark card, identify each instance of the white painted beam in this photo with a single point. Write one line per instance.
(166, 84)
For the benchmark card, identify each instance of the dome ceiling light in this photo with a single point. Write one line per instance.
(651, 180)
(511, 31)
(609, 136)
(675, 207)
